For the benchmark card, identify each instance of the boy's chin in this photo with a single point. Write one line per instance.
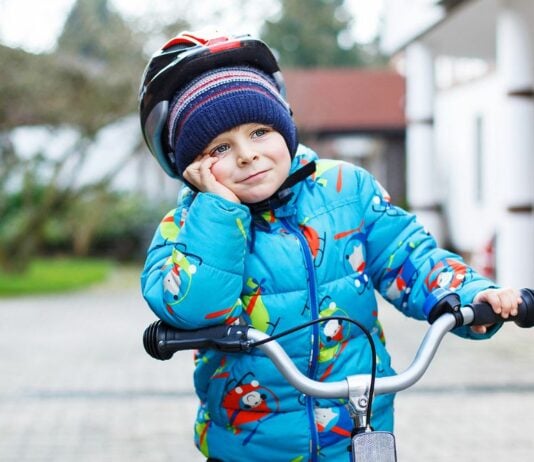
(253, 197)
(255, 200)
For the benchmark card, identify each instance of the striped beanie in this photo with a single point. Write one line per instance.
(219, 100)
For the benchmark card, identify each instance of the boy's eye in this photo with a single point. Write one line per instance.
(260, 132)
(220, 149)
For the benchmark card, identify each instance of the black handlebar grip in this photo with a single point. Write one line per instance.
(484, 314)
(161, 341)
(150, 341)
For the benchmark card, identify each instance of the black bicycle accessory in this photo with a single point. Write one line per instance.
(161, 341)
(178, 62)
(443, 301)
(374, 446)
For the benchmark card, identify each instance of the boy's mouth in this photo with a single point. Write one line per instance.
(254, 177)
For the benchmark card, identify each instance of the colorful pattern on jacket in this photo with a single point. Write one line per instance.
(323, 254)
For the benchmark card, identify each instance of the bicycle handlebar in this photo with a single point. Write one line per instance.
(161, 341)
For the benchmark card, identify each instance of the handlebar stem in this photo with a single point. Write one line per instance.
(359, 387)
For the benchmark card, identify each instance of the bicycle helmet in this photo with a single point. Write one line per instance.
(177, 63)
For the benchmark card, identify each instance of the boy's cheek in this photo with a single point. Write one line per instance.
(219, 171)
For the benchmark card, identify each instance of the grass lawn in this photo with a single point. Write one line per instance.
(48, 275)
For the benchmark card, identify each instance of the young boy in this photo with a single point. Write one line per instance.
(267, 234)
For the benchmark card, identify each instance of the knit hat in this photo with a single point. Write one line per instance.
(219, 100)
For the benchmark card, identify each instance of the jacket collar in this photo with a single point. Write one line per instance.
(303, 157)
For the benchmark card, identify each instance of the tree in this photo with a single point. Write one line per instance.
(89, 81)
(98, 43)
(313, 33)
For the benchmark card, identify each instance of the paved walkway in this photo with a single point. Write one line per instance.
(76, 385)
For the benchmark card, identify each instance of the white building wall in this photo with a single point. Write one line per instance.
(484, 128)
(467, 119)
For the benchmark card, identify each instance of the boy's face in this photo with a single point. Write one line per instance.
(253, 161)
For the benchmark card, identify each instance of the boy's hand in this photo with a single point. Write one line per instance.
(503, 302)
(199, 174)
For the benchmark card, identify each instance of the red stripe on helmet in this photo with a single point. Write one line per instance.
(216, 46)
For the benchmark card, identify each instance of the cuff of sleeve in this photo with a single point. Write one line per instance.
(489, 333)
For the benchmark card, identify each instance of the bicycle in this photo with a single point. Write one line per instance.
(444, 313)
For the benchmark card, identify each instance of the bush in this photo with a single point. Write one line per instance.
(128, 228)
(111, 225)
(95, 221)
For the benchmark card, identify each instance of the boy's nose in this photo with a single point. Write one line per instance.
(246, 156)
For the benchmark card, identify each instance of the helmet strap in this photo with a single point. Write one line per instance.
(284, 194)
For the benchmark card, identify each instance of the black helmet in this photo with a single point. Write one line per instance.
(179, 61)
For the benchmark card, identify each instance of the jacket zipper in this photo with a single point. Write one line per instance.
(314, 308)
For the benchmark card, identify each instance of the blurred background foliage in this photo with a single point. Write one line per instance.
(316, 33)
(90, 80)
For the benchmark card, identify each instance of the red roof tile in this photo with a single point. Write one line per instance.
(344, 100)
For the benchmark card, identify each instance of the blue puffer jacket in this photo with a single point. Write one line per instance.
(322, 254)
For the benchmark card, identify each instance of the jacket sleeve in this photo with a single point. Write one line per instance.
(404, 261)
(194, 268)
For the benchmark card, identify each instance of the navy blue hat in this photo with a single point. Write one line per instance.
(219, 100)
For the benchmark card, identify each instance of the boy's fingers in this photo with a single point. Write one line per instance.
(205, 168)
(508, 301)
(490, 296)
(503, 301)
(479, 329)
